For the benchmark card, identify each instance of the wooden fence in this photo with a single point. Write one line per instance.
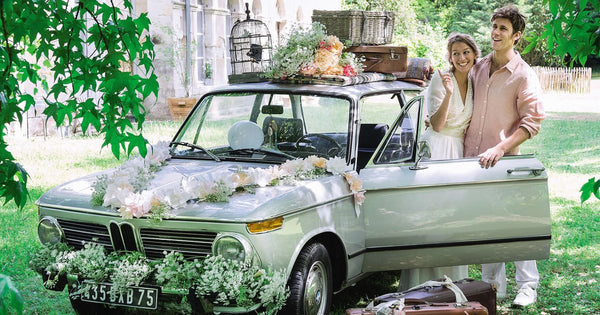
(565, 80)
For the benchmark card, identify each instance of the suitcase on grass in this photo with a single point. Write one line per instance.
(469, 308)
(384, 59)
(420, 307)
(476, 291)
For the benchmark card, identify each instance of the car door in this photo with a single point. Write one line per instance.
(450, 212)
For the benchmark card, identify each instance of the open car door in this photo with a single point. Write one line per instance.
(450, 212)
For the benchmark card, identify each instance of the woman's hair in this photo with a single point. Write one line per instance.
(462, 38)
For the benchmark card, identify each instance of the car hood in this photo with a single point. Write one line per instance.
(264, 203)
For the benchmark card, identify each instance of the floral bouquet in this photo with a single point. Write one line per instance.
(310, 52)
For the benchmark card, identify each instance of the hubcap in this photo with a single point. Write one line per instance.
(315, 290)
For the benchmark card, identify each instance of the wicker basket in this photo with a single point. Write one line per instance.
(358, 27)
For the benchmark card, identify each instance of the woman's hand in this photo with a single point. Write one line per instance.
(447, 82)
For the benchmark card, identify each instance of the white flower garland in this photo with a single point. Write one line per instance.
(126, 188)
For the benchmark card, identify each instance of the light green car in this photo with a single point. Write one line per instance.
(416, 212)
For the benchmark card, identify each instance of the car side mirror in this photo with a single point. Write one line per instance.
(272, 109)
(423, 151)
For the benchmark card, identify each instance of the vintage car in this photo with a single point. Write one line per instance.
(417, 212)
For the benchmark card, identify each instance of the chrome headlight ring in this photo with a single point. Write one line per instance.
(233, 246)
(50, 231)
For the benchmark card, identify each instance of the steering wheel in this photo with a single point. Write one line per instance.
(331, 152)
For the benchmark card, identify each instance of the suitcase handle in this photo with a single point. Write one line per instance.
(370, 59)
(460, 296)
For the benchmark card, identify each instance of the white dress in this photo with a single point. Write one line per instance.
(446, 144)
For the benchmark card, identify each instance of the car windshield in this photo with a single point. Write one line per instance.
(264, 127)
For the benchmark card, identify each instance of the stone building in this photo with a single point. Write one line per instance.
(210, 23)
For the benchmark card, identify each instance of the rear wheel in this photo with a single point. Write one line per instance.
(311, 282)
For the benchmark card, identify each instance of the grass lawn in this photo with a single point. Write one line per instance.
(567, 145)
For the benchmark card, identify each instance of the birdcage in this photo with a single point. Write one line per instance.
(251, 50)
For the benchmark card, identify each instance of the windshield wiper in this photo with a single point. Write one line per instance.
(197, 147)
(265, 151)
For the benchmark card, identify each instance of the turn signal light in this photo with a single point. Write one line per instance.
(265, 226)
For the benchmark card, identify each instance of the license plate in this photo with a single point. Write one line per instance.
(139, 297)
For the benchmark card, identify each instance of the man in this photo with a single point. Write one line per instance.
(507, 111)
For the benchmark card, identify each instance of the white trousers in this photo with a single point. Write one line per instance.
(527, 275)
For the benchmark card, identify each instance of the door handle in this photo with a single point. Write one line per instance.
(534, 171)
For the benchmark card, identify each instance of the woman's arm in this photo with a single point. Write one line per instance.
(438, 119)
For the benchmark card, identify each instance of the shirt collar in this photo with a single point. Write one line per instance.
(510, 66)
(514, 62)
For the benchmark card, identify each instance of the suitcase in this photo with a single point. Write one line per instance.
(419, 307)
(473, 290)
(470, 308)
(384, 59)
(359, 311)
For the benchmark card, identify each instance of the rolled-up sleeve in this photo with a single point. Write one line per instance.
(530, 104)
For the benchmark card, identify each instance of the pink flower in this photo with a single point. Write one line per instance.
(359, 197)
(349, 71)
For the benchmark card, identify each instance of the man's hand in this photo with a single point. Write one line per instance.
(490, 157)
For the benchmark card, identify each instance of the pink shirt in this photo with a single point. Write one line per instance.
(509, 99)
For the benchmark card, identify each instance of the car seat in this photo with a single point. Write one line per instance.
(369, 137)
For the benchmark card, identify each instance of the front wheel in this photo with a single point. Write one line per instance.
(311, 282)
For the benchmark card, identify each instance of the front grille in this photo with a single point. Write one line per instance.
(76, 233)
(189, 243)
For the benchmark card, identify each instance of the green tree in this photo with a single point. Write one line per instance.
(573, 29)
(84, 45)
(537, 52)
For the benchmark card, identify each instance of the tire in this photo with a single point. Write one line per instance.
(310, 283)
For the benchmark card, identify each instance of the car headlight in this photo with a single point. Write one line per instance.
(49, 231)
(232, 246)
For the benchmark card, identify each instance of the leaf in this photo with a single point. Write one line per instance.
(586, 190)
(8, 292)
(596, 189)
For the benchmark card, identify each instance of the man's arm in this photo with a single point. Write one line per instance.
(491, 156)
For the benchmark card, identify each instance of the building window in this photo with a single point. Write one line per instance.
(200, 59)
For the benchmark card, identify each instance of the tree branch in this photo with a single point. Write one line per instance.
(8, 47)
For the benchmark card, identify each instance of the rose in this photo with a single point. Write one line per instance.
(359, 197)
(241, 179)
(262, 177)
(353, 180)
(317, 161)
(159, 152)
(349, 71)
(115, 195)
(336, 165)
(197, 188)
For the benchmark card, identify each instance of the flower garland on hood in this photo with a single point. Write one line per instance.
(126, 188)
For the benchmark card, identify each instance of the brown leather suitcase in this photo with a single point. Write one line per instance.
(477, 291)
(419, 307)
(359, 311)
(470, 308)
(384, 59)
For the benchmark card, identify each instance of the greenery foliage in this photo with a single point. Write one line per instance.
(85, 48)
(573, 29)
(10, 299)
(222, 281)
(424, 25)
(591, 187)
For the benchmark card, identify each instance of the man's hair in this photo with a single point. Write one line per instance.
(515, 17)
(462, 38)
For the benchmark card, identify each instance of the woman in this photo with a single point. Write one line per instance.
(449, 99)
